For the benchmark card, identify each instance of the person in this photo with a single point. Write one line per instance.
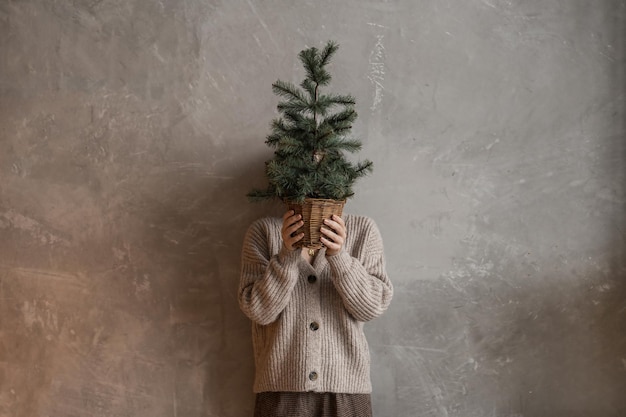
(307, 309)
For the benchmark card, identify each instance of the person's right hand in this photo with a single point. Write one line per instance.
(291, 223)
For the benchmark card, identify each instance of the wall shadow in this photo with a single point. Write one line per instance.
(197, 232)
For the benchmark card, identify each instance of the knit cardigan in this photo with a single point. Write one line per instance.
(307, 320)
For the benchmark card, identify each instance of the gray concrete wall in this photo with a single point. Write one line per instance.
(131, 130)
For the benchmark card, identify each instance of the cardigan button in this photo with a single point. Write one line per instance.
(313, 376)
(312, 279)
(314, 326)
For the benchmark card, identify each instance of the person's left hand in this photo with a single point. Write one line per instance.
(334, 235)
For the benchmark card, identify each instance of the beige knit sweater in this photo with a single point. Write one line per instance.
(307, 320)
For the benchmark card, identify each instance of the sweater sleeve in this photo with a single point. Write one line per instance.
(266, 282)
(362, 282)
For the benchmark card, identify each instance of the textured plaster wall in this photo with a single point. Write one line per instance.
(131, 130)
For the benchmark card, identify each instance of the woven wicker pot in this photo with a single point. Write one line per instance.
(314, 211)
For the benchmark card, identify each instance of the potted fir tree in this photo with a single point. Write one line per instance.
(309, 170)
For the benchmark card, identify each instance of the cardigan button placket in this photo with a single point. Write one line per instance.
(313, 361)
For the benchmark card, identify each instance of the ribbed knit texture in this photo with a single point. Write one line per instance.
(350, 288)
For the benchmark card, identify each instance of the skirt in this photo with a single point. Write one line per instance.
(312, 404)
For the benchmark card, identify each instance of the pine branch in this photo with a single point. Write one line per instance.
(273, 139)
(337, 99)
(308, 57)
(295, 106)
(312, 62)
(300, 122)
(339, 144)
(319, 108)
(289, 145)
(278, 125)
(341, 118)
(322, 77)
(364, 168)
(309, 86)
(288, 90)
(338, 124)
(328, 52)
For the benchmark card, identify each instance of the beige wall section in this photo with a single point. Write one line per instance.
(131, 130)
